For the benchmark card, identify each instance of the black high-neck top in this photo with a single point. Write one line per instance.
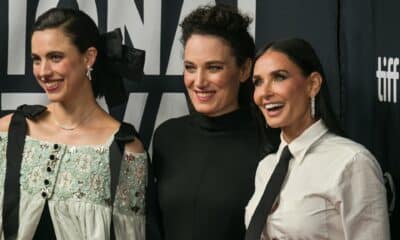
(205, 167)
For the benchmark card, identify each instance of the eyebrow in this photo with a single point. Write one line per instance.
(208, 62)
(215, 62)
(49, 53)
(272, 73)
(279, 70)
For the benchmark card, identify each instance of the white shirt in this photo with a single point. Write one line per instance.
(334, 190)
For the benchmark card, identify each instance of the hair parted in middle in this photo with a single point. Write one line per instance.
(301, 53)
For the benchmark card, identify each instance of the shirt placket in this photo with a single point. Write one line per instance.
(52, 168)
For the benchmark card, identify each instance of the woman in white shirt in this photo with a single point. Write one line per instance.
(334, 187)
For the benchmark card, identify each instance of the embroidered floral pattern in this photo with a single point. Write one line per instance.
(3, 145)
(80, 173)
(130, 194)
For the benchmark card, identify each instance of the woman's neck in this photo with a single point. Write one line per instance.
(71, 115)
(291, 132)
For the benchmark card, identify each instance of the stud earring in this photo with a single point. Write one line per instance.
(89, 73)
(313, 107)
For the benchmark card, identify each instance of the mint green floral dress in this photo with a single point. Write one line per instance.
(75, 180)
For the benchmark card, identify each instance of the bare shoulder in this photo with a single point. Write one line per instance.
(135, 146)
(5, 122)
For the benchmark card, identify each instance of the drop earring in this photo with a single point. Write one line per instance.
(313, 107)
(89, 73)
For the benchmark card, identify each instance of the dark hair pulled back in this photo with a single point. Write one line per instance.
(113, 61)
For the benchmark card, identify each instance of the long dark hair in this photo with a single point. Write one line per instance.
(304, 56)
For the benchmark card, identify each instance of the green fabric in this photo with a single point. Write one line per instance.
(79, 173)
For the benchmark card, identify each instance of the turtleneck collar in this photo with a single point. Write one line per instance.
(231, 120)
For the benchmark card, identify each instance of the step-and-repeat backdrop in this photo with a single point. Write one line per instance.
(357, 41)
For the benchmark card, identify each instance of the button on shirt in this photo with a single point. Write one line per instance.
(334, 190)
(75, 182)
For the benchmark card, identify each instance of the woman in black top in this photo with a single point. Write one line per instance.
(205, 162)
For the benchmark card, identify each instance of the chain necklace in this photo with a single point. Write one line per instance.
(74, 126)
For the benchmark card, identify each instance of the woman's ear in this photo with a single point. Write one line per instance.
(90, 56)
(245, 70)
(315, 82)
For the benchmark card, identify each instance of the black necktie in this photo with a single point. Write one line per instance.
(267, 200)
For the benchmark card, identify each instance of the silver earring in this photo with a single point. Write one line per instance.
(313, 107)
(89, 73)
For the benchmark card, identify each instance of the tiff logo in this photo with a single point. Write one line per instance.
(387, 75)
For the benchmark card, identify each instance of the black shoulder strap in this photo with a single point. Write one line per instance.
(125, 134)
(16, 141)
(15, 147)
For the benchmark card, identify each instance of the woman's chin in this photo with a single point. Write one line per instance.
(203, 109)
(54, 97)
(273, 124)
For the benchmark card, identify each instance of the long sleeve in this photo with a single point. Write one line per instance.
(129, 211)
(3, 145)
(362, 200)
(334, 190)
(78, 183)
(153, 212)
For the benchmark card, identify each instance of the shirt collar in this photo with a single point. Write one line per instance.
(300, 145)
